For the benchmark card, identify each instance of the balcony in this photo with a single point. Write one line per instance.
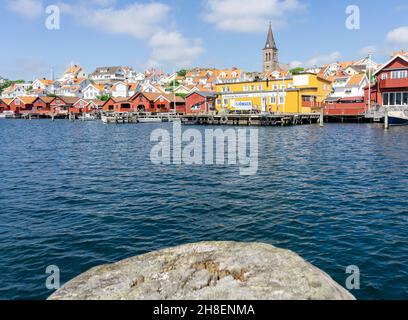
(393, 83)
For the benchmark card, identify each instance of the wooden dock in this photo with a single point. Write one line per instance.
(253, 119)
(198, 119)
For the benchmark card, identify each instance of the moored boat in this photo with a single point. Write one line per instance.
(7, 115)
(88, 117)
(150, 120)
(398, 118)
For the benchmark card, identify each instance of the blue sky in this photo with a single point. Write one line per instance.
(184, 33)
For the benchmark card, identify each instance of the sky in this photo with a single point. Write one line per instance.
(175, 34)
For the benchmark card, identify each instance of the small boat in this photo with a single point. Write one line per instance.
(88, 117)
(150, 120)
(7, 115)
(105, 119)
(398, 118)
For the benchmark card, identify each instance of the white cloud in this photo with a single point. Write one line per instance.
(365, 51)
(317, 61)
(322, 59)
(26, 8)
(148, 22)
(249, 16)
(398, 36)
(137, 20)
(171, 48)
(295, 64)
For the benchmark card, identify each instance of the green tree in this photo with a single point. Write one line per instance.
(172, 85)
(297, 70)
(182, 95)
(9, 83)
(182, 73)
(104, 97)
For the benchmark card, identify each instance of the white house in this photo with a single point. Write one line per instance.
(349, 86)
(16, 90)
(111, 74)
(74, 72)
(43, 85)
(93, 91)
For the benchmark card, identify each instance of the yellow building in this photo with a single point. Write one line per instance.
(301, 93)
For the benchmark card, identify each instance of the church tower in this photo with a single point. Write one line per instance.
(270, 53)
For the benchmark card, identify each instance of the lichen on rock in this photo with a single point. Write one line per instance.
(207, 271)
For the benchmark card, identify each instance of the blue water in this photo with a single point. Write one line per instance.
(77, 195)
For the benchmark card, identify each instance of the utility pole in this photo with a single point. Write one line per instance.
(369, 81)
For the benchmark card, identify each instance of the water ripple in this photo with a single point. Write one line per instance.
(78, 195)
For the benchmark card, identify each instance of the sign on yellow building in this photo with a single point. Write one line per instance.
(301, 93)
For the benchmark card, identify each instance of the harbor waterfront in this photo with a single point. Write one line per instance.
(81, 194)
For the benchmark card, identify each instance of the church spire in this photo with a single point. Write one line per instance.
(270, 40)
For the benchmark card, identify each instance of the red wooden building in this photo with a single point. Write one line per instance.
(391, 88)
(5, 104)
(63, 105)
(22, 104)
(157, 102)
(42, 105)
(118, 105)
(200, 102)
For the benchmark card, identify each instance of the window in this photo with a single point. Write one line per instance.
(218, 101)
(259, 88)
(392, 99)
(273, 100)
(252, 88)
(398, 98)
(384, 76)
(282, 100)
(405, 98)
(386, 99)
(399, 74)
(275, 87)
(245, 88)
(283, 87)
(225, 102)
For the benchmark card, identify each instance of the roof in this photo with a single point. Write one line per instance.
(154, 96)
(73, 69)
(46, 82)
(401, 56)
(7, 101)
(27, 100)
(47, 99)
(356, 80)
(97, 102)
(270, 40)
(68, 100)
(107, 70)
(204, 94)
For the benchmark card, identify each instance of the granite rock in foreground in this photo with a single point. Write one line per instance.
(206, 271)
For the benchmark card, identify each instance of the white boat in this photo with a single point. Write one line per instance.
(398, 117)
(150, 120)
(7, 115)
(105, 119)
(88, 117)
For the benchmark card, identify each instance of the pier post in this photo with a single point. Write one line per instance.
(321, 120)
(386, 120)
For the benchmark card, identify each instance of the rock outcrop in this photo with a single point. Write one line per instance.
(206, 271)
